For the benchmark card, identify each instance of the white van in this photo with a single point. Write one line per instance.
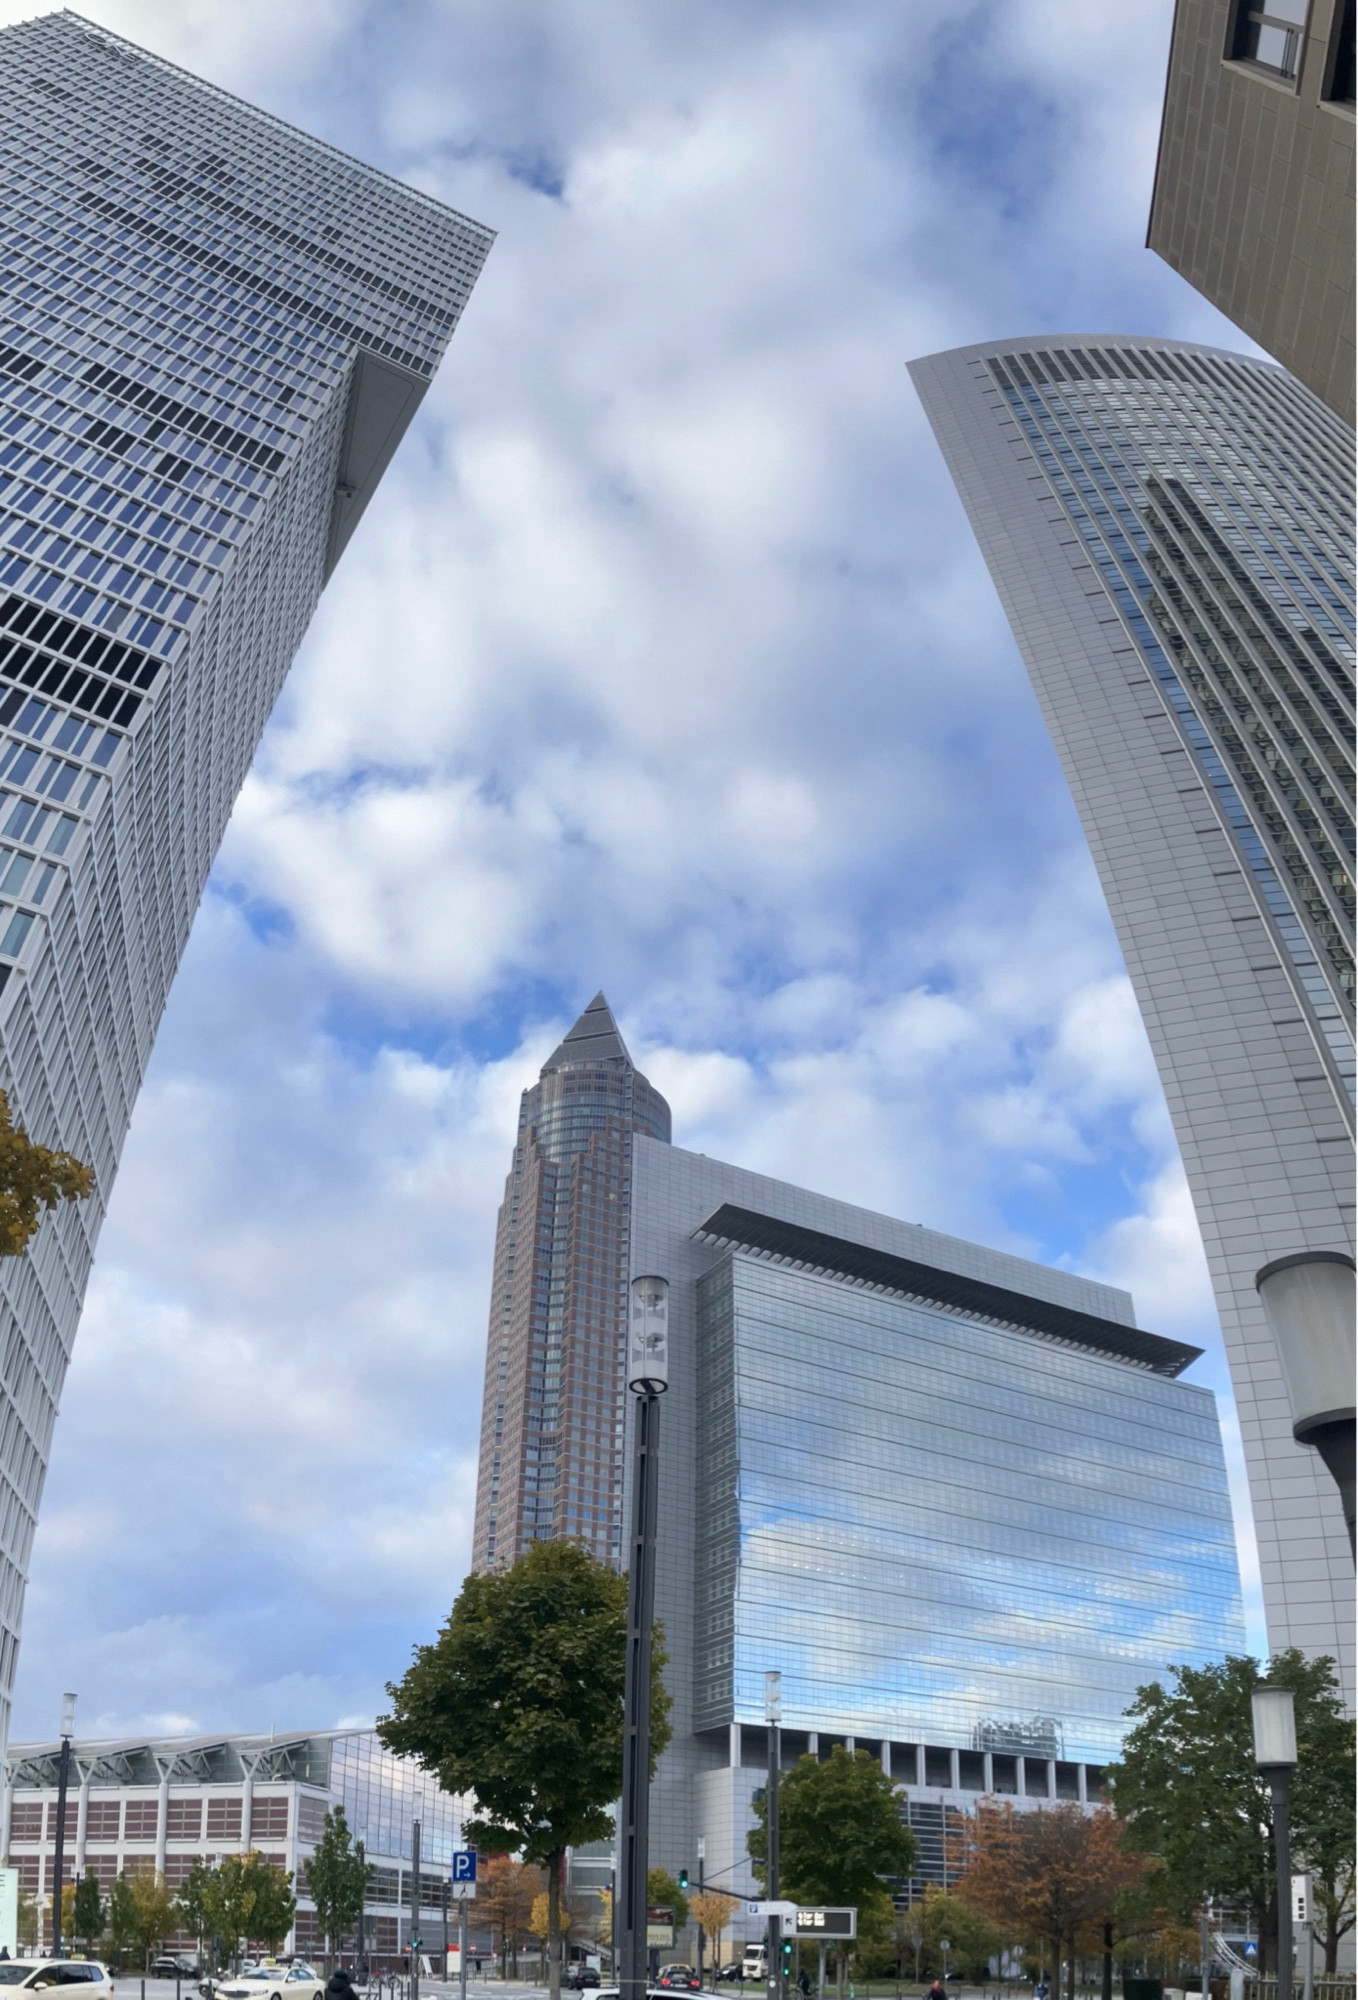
(755, 1963)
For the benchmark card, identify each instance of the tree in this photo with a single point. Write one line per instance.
(29, 1921)
(122, 1927)
(520, 1700)
(663, 1892)
(712, 1910)
(573, 1918)
(32, 1178)
(840, 1837)
(244, 1899)
(1050, 1876)
(193, 1904)
(505, 1896)
(152, 1913)
(87, 1911)
(1189, 1790)
(337, 1878)
(973, 1938)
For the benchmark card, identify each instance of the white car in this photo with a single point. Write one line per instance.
(272, 1982)
(35, 1975)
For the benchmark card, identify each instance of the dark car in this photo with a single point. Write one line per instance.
(581, 1976)
(679, 1979)
(167, 1966)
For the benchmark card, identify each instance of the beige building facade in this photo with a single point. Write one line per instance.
(1253, 199)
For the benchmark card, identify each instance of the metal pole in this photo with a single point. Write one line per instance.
(59, 1859)
(447, 1892)
(462, 1949)
(1310, 1954)
(773, 1711)
(636, 1758)
(1204, 1954)
(414, 1910)
(702, 1935)
(1278, 1777)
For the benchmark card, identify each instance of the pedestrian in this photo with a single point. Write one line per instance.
(804, 1982)
(938, 1991)
(340, 1985)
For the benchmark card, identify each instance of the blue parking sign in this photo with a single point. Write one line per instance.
(464, 1864)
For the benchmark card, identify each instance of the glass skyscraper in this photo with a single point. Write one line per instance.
(962, 1503)
(1170, 529)
(215, 330)
(552, 1444)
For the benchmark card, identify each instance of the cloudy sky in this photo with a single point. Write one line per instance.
(664, 661)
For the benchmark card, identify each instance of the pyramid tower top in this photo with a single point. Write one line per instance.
(593, 1039)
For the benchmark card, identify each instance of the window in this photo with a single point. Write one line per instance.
(1339, 83)
(142, 1815)
(102, 1819)
(223, 1819)
(310, 1816)
(25, 1820)
(269, 1819)
(184, 1820)
(1270, 33)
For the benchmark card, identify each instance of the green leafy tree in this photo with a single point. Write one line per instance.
(337, 1878)
(841, 1840)
(87, 1911)
(520, 1700)
(32, 1178)
(122, 1921)
(1190, 1792)
(663, 1892)
(973, 1938)
(153, 1913)
(245, 1900)
(192, 1905)
(29, 1921)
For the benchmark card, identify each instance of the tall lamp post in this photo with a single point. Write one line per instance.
(648, 1377)
(773, 1720)
(1275, 1752)
(63, 1781)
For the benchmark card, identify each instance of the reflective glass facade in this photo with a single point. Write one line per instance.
(213, 331)
(941, 1530)
(1171, 531)
(552, 1420)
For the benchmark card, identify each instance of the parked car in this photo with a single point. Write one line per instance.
(735, 1970)
(37, 1974)
(581, 1976)
(167, 1966)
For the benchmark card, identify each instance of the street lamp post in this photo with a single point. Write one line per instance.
(63, 1780)
(773, 1718)
(1275, 1752)
(702, 1890)
(648, 1375)
(1308, 1302)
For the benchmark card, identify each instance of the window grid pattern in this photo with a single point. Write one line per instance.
(927, 1522)
(1230, 568)
(187, 285)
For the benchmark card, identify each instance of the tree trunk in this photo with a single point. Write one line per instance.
(1106, 1989)
(554, 1925)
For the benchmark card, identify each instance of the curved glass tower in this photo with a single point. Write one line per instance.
(1170, 530)
(552, 1445)
(215, 330)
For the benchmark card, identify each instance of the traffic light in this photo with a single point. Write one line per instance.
(683, 1880)
(787, 1954)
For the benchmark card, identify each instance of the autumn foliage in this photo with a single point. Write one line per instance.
(1053, 1877)
(32, 1178)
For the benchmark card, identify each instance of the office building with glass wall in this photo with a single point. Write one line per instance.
(167, 1805)
(1170, 530)
(213, 332)
(552, 1445)
(962, 1503)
